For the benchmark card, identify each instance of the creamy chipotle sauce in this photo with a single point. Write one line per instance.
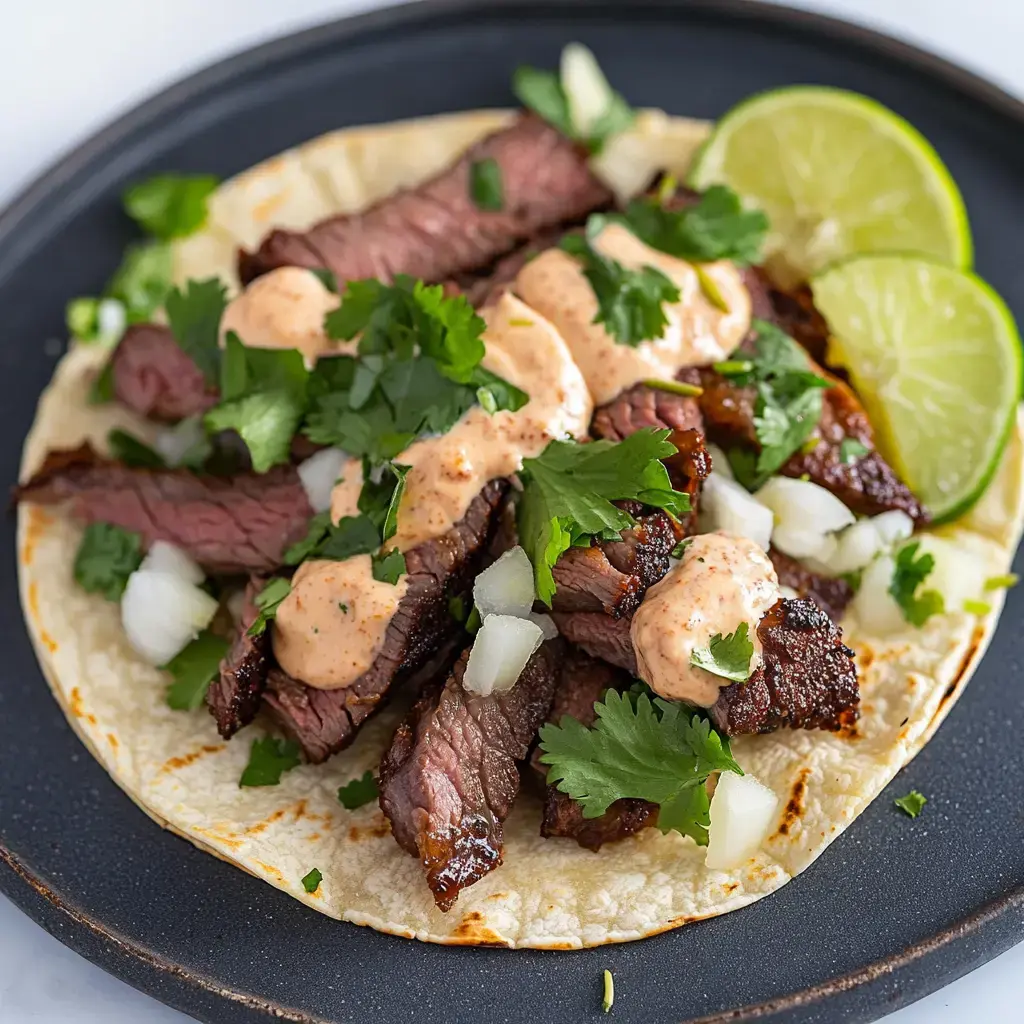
(284, 309)
(721, 581)
(697, 332)
(315, 640)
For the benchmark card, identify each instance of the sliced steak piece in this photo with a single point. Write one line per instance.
(582, 681)
(448, 781)
(641, 406)
(155, 378)
(436, 231)
(326, 721)
(237, 524)
(613, 576)
(829, 593)
(808, 679)
(234, 696)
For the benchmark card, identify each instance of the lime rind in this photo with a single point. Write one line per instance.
(994, 411)
(941, 224)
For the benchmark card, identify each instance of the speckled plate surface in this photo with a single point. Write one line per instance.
(892, 911)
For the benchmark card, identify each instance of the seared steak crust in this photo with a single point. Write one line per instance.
(582, 681)
(448, 781)
(234, 696)
(641, 406)
(229, 525)
(436, 231)
(829, 593)
(326, 721)
(808, 679)
(155, 378)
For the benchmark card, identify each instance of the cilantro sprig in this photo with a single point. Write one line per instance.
(170, 205)
(311, 881)
(358, 792)
(714, 228)
(788, 404)
(727, 656)
(485, 185)
(655, 751)
(107, 556)
(912, 804)
(269, 759)
(193, 669)
(569, 489)
(910, 572)
(267, 601)
(630, 303)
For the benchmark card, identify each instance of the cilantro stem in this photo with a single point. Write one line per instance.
(608, 997)
(674, 387)
(732, 367)
(709, 286)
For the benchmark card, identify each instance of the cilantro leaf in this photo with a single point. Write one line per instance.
(630, 303)
(82, 318)
(912, 804)
(850, 450)
(485, 184)
(133, 452)
(102, 389)
(311, 882)
(379, 501)
(193, 669)
(269, 759)
(170, 205)
(909, 574)
(267, 601)
(143, 280)
(358, 792)
(727, 656)
(326, 277)
(246, 370)
(194, 316)
(389, 567)
(106, 557)
(715, 228)
(353, 535)
(316, 533)
(569, 489)
(657, 752)
(266, 422)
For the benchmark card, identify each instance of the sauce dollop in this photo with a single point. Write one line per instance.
(698, 332)
(721, 581)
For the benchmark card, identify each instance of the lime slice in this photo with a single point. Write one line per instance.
(837, 174)
(935, 356)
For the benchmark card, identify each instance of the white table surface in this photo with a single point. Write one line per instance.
(69, 66)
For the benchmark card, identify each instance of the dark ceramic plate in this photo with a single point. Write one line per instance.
(895, 909)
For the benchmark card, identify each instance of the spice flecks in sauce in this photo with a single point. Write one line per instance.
(721, 581)
(331, 627)
(697, 333)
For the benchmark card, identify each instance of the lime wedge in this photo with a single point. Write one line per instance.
(837, 174)
(935, 356)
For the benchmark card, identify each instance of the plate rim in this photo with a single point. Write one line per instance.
(58, 911)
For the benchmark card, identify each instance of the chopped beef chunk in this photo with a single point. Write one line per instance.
(829, 593)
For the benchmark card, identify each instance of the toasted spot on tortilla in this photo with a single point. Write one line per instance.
(48, 642)
(38, 521)
(33, 599)
(261, 826)
(174, 763)
(269, 869)
(865, 657)
(848, 725)
(977, 639)
(471, 931)
(112, 740)
(314, 837)
(265, 210)
(377, 829)
(730, 887)
(233, 844)
(795, 805)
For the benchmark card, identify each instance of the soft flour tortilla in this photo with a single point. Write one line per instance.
(548, 893)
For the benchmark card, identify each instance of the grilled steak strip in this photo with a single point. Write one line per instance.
(155, 378)
(229, 525)
(582, 681)
(829, 593)
(449, 778)
(234, 696)
(326, 721)
(436, 231)
(807, 680)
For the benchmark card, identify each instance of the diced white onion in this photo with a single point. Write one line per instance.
(165, 557)
(547, 624)
(586, 89)
(856, 546)
(725, 505)
(959, 574)
(174, 443)
(626, 164)
(805, 515)
(162, 614)
(876, 610)
(503, 646)
(506, 587)
(720, 462)
(789, 593)
(111, 320)
(319, 473)
(892, 527)
(742, 812)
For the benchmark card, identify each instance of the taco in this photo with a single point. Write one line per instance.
(418, 470)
